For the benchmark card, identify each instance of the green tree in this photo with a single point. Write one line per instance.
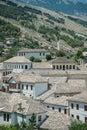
(78, 55)
(60, 53)
(32, 58)
(77, 125)
(37, 60)
(32, 122)
(48, 57)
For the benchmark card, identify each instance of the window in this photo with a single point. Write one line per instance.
(72, 115)
(77, 106)
(18, 86)
(26, 67)
(22, 66)
(31, 87)
(40, 54)
(72, 105)
(65, 111)
(47, 106)
(43, 54)
(53, 66)
(6, 73)
(6, 117)
(66, 66)
(39, 118)
(52, 108)
(63, 67)
(59, 109)
(85, 108)
(85, 119)
(57, 66)
(3, 73)
(26, 87)
(77, 117)
(73, 66)
(70, 67)
(22, 86)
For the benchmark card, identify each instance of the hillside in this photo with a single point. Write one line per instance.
(76, 7)
(41, 28)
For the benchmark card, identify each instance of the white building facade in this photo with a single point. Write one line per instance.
(18, 108)
(59, 104)
(37, 53)
(62, 63)
(29, 85)
(16, 65)
(78, 107)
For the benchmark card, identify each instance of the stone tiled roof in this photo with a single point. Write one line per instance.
(72, 86)
(42, 65)
(53, 81)
(56, 121)
(17, 59)
(80, 97)
(26, 77)
(63, 60)
(32, 50)
(61, 101)
(10, 103)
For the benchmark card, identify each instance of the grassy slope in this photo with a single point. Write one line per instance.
(41, 21)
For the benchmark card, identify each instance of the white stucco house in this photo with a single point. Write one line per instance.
(59, 104)
(29, 84)
(37, 53)
(78, 107)
(15, 108)
(62, 63)
(16, 64)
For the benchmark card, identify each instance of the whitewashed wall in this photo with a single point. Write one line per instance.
(16, 65)
(37, 88)
(4, 122)
(56, 107)
(29, 92)
(16, 118)
(34, 54)
(40, 88)
(81, 113)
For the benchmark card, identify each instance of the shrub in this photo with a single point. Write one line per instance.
(37, 60)
(60, 53)
(32, 58)
(48, 57)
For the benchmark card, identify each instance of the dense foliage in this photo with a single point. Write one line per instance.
(78, 55)
(60, 53)
(77, 126)
(8, 30)
(33, 59)
(72, 42)
(18, 14)
(80, 21)
(49, 33)
(59, 20)
(48, 57)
